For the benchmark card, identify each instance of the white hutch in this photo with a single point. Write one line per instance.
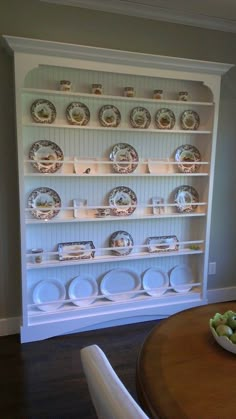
(85, 283)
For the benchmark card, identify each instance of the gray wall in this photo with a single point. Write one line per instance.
(33, 19)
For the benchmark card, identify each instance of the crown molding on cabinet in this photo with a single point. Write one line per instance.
(117, 57)
(154, 12)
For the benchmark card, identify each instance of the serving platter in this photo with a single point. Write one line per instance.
(121, 239)
(109, 116)
(49, 290)
(165, 119)
(120, 284)
(181, 278)
(43, 111)
(45, 203)
(76, 250)
(46, 156)
(187, 153)
(162, 244)
(186, 198)
(125, 158)
(189, 120)
(83, 290)
(140, 117)
(77, 113)
(122, 201)
(155, 281)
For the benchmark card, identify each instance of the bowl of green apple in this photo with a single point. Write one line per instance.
(223, 328)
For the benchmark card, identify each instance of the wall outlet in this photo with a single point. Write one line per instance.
(212, 268)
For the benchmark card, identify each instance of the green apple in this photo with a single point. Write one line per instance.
(224, 330)
(232, 320)
(233, 337)
(219, 319)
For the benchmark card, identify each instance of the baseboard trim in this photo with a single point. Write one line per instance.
(219, 295)
(11, 325)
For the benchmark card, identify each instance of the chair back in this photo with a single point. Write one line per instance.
(109, 396)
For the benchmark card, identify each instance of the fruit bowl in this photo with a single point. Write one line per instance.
(224, 340)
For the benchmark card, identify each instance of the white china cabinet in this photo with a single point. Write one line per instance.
(115, 190)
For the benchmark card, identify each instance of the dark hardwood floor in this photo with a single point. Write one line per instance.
(45, 379)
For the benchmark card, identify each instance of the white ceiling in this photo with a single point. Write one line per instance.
(211, 14)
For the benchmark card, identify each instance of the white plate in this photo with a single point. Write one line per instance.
(155, 282)
(49, 152)
(120, 284)
(85, 166)
(158, 165)
(181, 278)
(77, 113)
(81, 287)
(47, 291)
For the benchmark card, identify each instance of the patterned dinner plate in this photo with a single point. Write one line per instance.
(46, 156)
(123, 240)
(125, 158)
(187, 154)
(43, 111)
(77, 113)
(45, 203)
(140, 117)
(165, 119)
(123, 201)
(109, 116)
(186, 198)
(189, 120)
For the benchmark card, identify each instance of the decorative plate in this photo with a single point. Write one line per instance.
(49, 152)
(140, 117)
(155, 281)
(122, 201)
(189, 120)
(121, 239)
(83, 290)
(125, 158)
(165, 119)
(43, 111)
(45, 203)
(77, 113)
(47, 291)
(185, 198)
(85, 166)
(187, 153)
(76, 250)
(181, 278)
(109, 116)
(120, 284)
(162, 244)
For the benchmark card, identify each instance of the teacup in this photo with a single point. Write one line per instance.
(103, 212)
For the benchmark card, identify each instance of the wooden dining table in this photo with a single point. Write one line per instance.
(183, 373)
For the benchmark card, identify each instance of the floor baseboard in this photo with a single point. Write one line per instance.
(11, 325)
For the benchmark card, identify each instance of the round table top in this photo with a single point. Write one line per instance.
(182, 372)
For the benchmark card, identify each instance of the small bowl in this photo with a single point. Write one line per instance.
(223, 341)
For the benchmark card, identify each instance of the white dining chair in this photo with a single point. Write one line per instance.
(109, 396)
